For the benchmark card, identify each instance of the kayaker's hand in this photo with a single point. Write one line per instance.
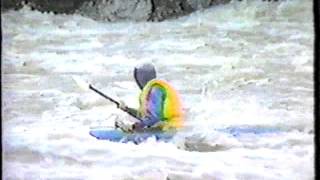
(136, 126)
(124, 127)
(116, 124)
(122, 106)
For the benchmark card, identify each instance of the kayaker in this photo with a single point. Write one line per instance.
(160, 105)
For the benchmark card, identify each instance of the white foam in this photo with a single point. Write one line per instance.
(244, 64)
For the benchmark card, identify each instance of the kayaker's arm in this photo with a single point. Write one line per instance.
(146, 122)
(154, 109)
(133, 112)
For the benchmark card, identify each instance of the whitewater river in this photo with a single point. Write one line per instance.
(244, 71)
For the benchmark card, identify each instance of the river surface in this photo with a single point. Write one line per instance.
(244, 71)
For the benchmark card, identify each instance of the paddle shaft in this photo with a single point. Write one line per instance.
(103, 95)
(110, 99)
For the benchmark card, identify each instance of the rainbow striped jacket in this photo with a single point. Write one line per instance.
(160, 106)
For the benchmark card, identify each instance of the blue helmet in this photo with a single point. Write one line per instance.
(144, 73)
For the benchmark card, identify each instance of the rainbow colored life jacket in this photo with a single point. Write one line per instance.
(172, 114)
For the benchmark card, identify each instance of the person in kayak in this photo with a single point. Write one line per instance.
(160, 105)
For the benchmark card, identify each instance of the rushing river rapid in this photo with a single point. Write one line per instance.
(243, 69)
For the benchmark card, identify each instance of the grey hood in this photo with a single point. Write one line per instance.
(143, 74)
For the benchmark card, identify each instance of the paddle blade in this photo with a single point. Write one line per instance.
(81, 83)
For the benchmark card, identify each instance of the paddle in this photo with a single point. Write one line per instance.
(84, 85)
(103, 95)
